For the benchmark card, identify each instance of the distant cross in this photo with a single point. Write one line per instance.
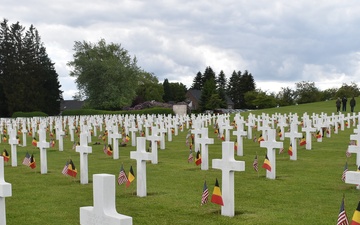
(293, 134)
(115, 136)
(5, 191)
(308, 129)
(13, 141)
(154, 138)
(355, 148)
(104, 209)
(228, 165)
(271, 144)
(84, 150)
(204, 141)
(140, 155)
(240, 133)
(43, 145)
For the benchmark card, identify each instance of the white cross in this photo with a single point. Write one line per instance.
(293, 134)
(204, 141)
(140, 155)
(308, 129)
(104, 209)
(133, 131)
(271, 144)
(43, 145)
(240, 133)
(355, 148)
(154, 138)
(13, 141)
(115, 136)
(228, 165)
(84, 150)
(5, 191)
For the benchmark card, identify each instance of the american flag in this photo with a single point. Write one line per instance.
(26, 160)
(122, 178)
(205, 195)
(190, 158)
(65, 169)
(344, 172)
(342, 218)
(255, 164)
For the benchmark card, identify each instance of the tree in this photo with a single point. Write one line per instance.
(208, 90)
(306, 92)
(348, 91)
(105, 74)
(148, 89)
(197, 82)
(28, 78)
(285, 97)
(221, 88)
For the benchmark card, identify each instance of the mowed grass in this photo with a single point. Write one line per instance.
(305, 191)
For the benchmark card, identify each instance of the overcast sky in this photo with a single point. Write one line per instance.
(278, 42)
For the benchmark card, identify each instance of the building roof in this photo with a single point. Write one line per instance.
(71, 104)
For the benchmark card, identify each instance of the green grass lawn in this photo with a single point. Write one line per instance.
(306, 191)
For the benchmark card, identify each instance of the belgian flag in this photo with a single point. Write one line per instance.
(267, 164)
(356, 217)
(72, 171)
(6, 156)
(216, 196)
(303, 141)
(131, 177)
(290, 152)
(32, 164)
(198, 158)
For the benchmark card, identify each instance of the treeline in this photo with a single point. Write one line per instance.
(241, 89)
(28, 80)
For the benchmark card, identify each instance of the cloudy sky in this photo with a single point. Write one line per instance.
(278, 42)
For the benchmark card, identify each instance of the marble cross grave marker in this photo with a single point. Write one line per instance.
(84, 150)
(228, 165)
(13, 141)
(154, 138)
(5, 191)
(43, 145)
(204, 141)
(104, 209)
(140, 155)
(271, 144)
(293, 134)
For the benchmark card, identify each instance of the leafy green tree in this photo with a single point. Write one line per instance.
(306, 92)
(105, 74)
(197, 82)
(329, 94)
(259, 100)
(285, 97)
(348, 91)
(178, 91)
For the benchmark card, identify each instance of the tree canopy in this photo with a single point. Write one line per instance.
(106, 75)
(28, 80)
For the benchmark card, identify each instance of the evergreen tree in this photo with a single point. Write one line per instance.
(221, 88)
(28, 80)
(208, 90)
(167, 91)
(197, 82)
